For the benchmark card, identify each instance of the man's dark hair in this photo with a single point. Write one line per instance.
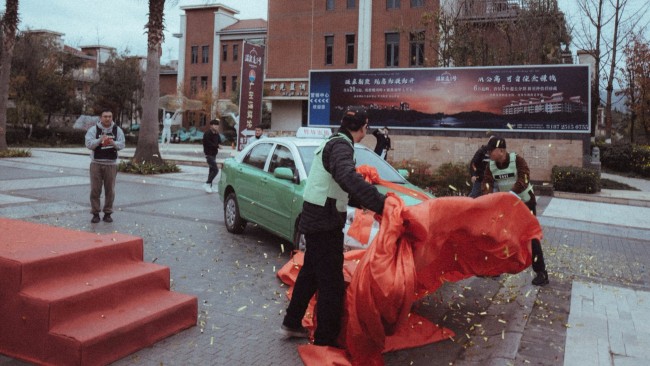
(354, 119)
(214, 122)
(104, 110)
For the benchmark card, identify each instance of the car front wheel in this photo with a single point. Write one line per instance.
(234, 223)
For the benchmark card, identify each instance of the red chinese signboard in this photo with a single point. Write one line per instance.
(250, 96)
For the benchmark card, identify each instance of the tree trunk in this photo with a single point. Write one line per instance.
(147, 149)
(612, 70)
(9, 27)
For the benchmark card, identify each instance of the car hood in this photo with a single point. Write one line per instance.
(409, 199)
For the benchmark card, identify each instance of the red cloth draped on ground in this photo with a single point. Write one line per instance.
(417, 249)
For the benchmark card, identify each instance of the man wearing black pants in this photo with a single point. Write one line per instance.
(509, 172)
(211, 141)
(332, 181)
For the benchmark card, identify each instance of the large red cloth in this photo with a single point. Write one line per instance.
(417, 249)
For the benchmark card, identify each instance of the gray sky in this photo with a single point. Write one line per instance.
(117, 23)
(120, 23)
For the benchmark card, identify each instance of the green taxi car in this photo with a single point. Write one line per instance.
(264, 185)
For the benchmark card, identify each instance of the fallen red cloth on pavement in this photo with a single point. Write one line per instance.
(417, 249)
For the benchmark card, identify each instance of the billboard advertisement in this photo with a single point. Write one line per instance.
(544, 98)
(250, 95)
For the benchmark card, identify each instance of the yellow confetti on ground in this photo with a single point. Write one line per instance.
(211, 341)
(242, 308)
(509, 126)
(502, 321)
(452, 188)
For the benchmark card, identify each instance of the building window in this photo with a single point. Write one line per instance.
(416, 41)
(195, 54)
(392, 4)
(234, 83)
(223, 84)
(417, 3)
(235, 52)
(202, 120)
(329, 4)
(224, 52)
(349, 48)
(352, 4)
(392, 49)
(329, 50)
(205, 54)
(193, 85)
(204, 83)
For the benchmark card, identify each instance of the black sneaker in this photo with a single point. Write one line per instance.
(541, 279)
(293, 332)
(95, 219)
(107, 218)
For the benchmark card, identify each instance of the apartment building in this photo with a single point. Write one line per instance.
(210, 44)
(338, 34)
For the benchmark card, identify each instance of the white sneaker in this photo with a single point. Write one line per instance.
(207, 187)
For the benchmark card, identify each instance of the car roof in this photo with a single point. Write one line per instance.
(300, 141)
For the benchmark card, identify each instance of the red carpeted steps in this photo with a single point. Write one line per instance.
(76, 298)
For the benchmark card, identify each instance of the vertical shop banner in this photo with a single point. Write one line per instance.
(544, 98)
(250, 95)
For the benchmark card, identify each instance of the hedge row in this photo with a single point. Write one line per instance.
(626, 158)
(58, 136)
(574, 179)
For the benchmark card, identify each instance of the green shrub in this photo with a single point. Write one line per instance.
(617, 157)
(451, 179)
(16, 136)
(574, 179)
(15, 153)
(641, 160)
(419, 172)
(147, 168)
(626, 158)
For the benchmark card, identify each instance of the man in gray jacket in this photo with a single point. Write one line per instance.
(104, 140)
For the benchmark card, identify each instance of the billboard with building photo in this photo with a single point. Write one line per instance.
(544, 98)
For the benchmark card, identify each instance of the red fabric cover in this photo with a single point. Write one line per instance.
(417, 249)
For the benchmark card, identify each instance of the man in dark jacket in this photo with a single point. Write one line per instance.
(332, 181)
(211, 141)
(477, 169)
(383, 142)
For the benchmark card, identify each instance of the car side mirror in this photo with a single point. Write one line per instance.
(283, 173)
(403, 172)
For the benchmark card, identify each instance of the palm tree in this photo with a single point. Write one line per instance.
(9, 26)
(147, 149)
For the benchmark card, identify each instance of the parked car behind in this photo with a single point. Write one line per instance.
(264, 184)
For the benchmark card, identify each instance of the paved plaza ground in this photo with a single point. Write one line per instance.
(594, 311)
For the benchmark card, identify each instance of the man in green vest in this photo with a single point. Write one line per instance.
(509, 172)
(333, 181)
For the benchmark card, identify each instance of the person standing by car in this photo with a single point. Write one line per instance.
(477, 169)
(509, 172)
(104, 139)
(333, 181)
(383, 142)
(211, 141)
(259, 134)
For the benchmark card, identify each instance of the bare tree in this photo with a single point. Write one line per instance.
(598, 19)
(9, 27)
(473, 33)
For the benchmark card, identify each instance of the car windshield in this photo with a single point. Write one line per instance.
(363, 157)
